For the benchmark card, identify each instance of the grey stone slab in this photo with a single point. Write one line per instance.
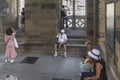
(45, 68)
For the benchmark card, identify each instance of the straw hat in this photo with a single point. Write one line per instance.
(95, 54)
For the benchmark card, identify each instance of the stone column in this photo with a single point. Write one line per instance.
(41, 19)
(101, 34)
(90, 16)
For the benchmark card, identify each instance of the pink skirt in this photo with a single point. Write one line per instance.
(10, 51)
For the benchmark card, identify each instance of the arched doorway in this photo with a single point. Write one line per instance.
(21, 5)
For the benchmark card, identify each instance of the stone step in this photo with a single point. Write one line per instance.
(21, 40)
(76, 45)
(34, 44)
(77, 37)
(1, 37)
(48, 48)
(21, 37)
(77, 41)
(70, 41)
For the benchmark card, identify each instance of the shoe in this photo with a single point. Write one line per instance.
(80, 74)
(6, 60)
(12, 60)
(65, 55)
(55, 55)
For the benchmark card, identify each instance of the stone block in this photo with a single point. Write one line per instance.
(41, 18)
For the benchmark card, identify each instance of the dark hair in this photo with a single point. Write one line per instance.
(23, 9)
(9, 31)
(63, 6)
(99, 61)
(23, 12)
(84, 57)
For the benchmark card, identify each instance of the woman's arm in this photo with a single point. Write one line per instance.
(14, 32)
(6, 38)
(13, 29)
(98, 71)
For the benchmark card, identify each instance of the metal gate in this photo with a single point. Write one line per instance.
(76, 14)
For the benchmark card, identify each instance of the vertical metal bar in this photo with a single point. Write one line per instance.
(73, 14)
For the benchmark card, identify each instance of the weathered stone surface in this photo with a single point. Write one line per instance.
(90, 19)
(101, 19)
(112, 56)
(41, 19)
(117, 16)
(8, 13)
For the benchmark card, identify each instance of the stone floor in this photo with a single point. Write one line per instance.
(46, 67)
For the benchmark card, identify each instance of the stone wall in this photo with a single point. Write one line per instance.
(3, 11)
(41, 18)
(90, 19)
(113, 56)
(8, 13)
(101, 34)
(117, 36)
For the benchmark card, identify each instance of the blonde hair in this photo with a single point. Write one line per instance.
(89, 42)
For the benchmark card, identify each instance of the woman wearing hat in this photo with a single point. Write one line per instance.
(98, 65)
